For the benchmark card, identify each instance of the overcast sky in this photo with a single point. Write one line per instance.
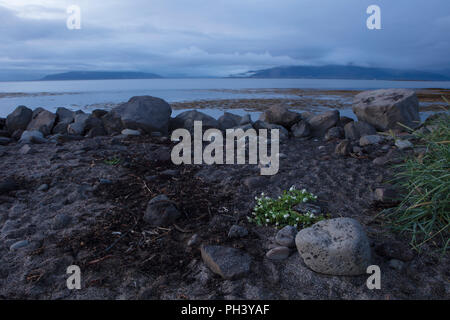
(218, 38)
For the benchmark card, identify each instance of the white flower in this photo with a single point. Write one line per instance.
(304, 199)
(303, 190)
(267, 220)
(286, 216)
(292, 188)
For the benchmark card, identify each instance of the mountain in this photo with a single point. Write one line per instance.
(343, 72)
(100, 75)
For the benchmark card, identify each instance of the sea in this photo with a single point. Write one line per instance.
(103, 94)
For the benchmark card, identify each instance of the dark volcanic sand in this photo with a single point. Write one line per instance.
(99, 226)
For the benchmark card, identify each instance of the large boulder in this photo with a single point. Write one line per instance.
(229, 120)
(42, 121)
(385, 108)
(19, 119)
(186, 120)
(147, 113)
(279, 114)
(78, 127)
(322, 122)
(33, 136)
(301, 129)
(336, 247)
(112, 123)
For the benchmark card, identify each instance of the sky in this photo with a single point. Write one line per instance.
(219, 38)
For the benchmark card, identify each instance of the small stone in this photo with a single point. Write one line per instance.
(286, 236)
(396, 264)
(43, 187)
(229, 263)
(278, 253)
(130, 132)
(105, 181)
(61, 221)
(25, 149)
(193, 240)
(343, 148)
(370, 139)
(403, 144)
(385, 195)
(161, 212)
(237, 232)
(19, 245)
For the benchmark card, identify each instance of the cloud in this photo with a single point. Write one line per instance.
(201, 37)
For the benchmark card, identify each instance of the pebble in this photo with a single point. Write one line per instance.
(286, 236)
(229, 263)
(237, 232)
(43, 187)
(278, 253)
(403, 144)
(19, 245)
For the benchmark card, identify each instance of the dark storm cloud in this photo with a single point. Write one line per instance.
(199, 37)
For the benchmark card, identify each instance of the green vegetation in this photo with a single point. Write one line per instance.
(113, 161)
(280, 212)
(424, 212)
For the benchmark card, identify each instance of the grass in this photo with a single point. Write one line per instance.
(280, 212)
(424, 212)
(112, 161)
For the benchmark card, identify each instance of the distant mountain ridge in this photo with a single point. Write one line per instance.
(100, 75)
(343, 72)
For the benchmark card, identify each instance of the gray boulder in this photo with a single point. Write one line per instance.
(227, 262)
(161, 212)
(247, 119)
(32, 137)
(112, 123)
(334, 133)
(186, 120)
(278, 253)
(336, 247)
(280, 115)
(19, 119)
(42, 121)
(322, 122)
(370, 139)
(355, 130)
(78, 127)
(146, 113)
(385, 108)
(65, 115)
(229, 120)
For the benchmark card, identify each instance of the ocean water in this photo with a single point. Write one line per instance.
(91, 94)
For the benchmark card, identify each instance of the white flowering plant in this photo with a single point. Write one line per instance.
(280, 212)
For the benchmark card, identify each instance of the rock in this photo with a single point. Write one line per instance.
(278, 114)
(254, 182)
(334, 133)
(43, 187)
(396, 264)
(60, 128)
(186, 120)
(385, 195)
(112, 123)
(78, 127)
(227, 262)
(19, 245)
(25, 149)
(99, 113)
(322, 122)
(403, 144)
(4, 141)
(385, 108)
(194, 240)
(32, 137)
(161, 212)
(278, 253)
(19, 119)
(61, 221)
(283, 132)
(286, 236)
(343, 148)
(237, 232)
(146, 113)
(344, 120)
(96, 132)
(369, 140)
(7, 186)
(247, 119)
(42, 121)
(65, 115)
(355, 130)
(130, 132)
(301, 129)
(336, 247)
(229, 120)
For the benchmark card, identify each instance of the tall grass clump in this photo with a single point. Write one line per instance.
(424, 212)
